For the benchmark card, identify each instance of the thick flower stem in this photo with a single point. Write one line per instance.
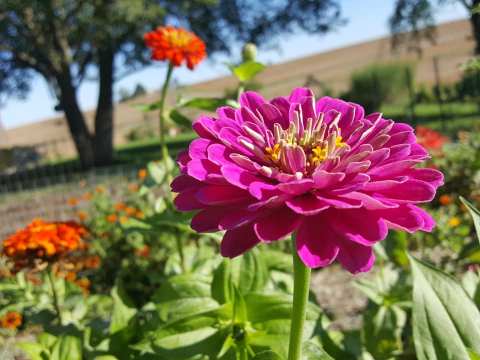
(301, 276)
(163, 96)
(56, 303)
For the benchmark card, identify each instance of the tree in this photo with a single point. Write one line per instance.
(412, 21)
(69, 41)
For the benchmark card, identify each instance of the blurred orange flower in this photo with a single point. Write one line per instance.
(130, 211)
(82, 215)
(144, 251)
(123, 219)
(92, 262)
(132, 187)
(44, 241)
(73, 201)
(87, 196)
(445, 200)
(430, 139)
(112, 218)
(139, 214)
(176, 45)
(84, 284)
(11, 320)
(142, 174)
(120, 206)
(99, 189)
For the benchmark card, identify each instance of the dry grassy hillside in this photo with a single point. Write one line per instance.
(454, 45)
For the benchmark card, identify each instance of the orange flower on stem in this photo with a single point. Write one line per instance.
(73, 201)
(445, 200)
(44, 241)
(82, 215)
(11, 320)
(142, 174)
(84, 284)
(176, 45)
(120, 206)
(112, 218)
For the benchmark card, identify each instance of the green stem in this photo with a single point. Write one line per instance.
(301, 276)
(181, 253)
(56, 303)
(240, 90)
(163, 96)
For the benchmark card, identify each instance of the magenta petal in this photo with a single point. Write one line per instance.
(339, 202)
(403, 218)
(324, 179)
(428, 221)
(198, 148)
(364, 227)
(186, 201)
(432, 176)
(183, 182)
(219, 154)
(356, 257)
(411, 190)
(221, 195)
(297, 187)
(235, 218)
(237, 176)
(207, 220)
(182, 160)
(262, 191)
(299, 93)
(307, 205)
(200, 168)
(203, 126)
(237, 241)
(315, 248)
(276, 225)
(251, 100)
(369, 202)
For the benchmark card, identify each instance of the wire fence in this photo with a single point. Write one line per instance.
(49, 197)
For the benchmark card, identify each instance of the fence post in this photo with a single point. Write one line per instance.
(411, 95)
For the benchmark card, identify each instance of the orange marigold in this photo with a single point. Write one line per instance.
(142, 174)
(120, 206)
(84, 284)
(112, 218)
(445, 200)
(73, 201)
(11, 320)
(82, 215)
(176, 45)
(130, 211)
(92, 262)
(44, 240)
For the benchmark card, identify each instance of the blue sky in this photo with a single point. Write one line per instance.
(367, 19)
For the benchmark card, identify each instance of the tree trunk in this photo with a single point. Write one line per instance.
(475, 22)
(103, 143)
(75, 119)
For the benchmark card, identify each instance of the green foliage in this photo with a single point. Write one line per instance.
(446, 322)
(377, 84)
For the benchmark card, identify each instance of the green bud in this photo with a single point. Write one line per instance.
(249, 52)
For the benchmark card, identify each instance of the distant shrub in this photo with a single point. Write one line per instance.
(468, 87)
(424, 95)
(377, 84)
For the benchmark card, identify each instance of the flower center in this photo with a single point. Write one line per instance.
(301, 149)
(178, 38)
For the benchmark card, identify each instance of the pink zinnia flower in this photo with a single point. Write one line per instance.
(324, 170)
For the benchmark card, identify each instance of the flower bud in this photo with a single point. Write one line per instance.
(249, 52)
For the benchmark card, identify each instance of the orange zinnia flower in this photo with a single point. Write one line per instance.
(84, 284)
(142, 174)
(44, 240)
(130, 211)
(112, 218)
(82, 215)
(120, 206)
(445, 200)
(176, 45)
(92, 262)
(11, 320)
(72, 201)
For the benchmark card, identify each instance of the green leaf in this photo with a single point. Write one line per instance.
(207, 104)
(123, 309)
(247, 70)
(180, 119)
(46, 340)
(148, 107)
(445, 320)
(313, 351)
(239, 307)
(475, 215)
(67, 348)
(33, 350)
(473, 355)
(105, 357)
(267, 355)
